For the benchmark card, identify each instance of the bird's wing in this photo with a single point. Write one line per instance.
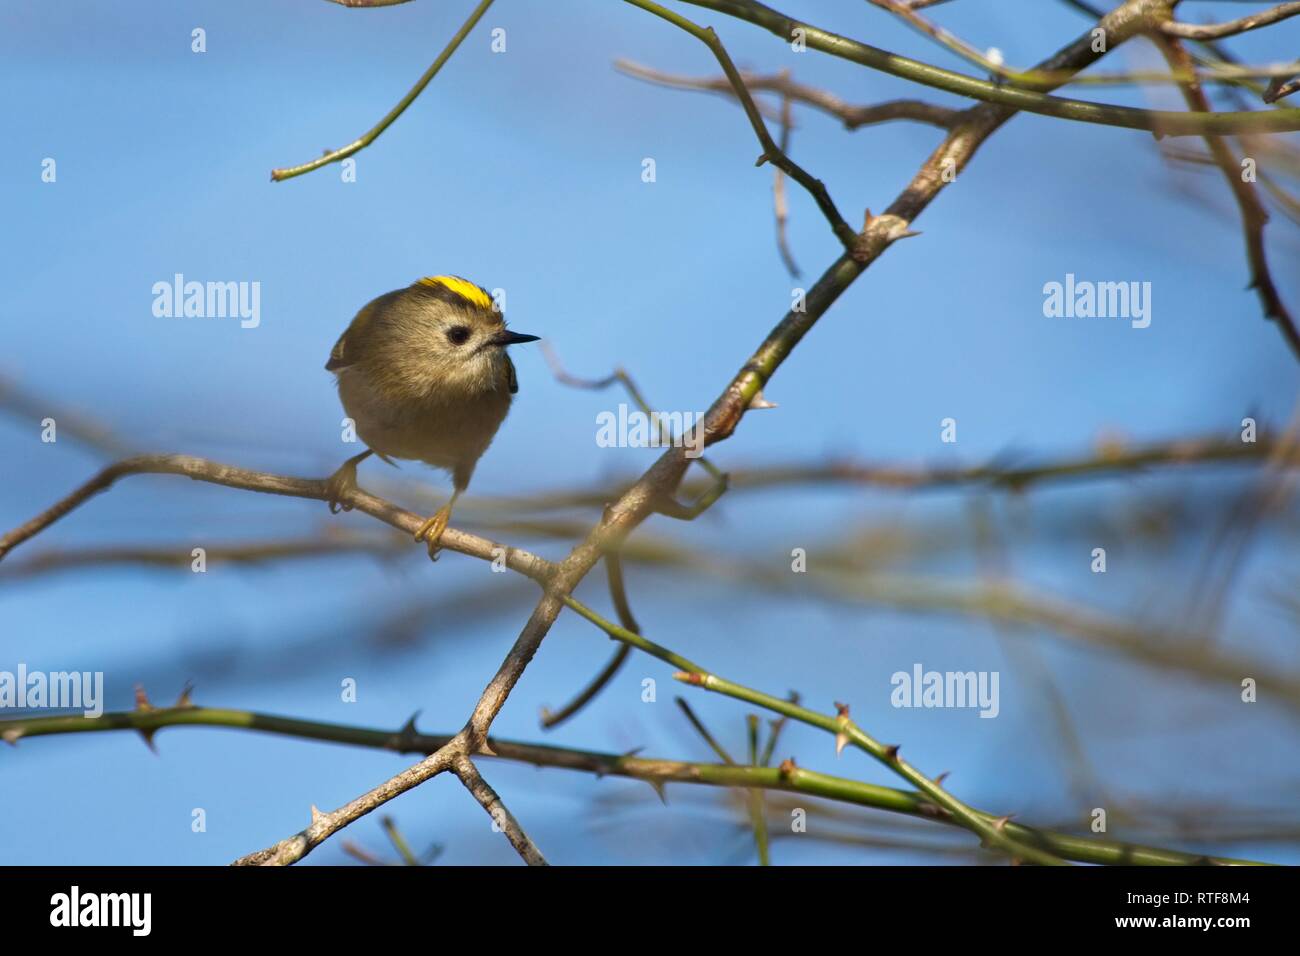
(347, 349)
(511, 378)
(339, 357)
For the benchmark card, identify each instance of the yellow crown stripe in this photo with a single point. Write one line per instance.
(462, 287)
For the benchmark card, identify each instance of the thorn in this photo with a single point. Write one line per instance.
(11, 736)
(485, 748)
(142, 699)
(1274, 91)
(842, 718)
(406, 735)
(316, 815)
(1000, 823)
(891, 751)
(788, 767)
(866, 220)
(894, 227)
(759, 402)
(941, 778)
(658, 787)
(147, 737)
(762, 159)
(184, 699)
(633, 752)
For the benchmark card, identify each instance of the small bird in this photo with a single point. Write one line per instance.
(423, 373)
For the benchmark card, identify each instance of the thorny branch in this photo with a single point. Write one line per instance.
(200, 469)
(651, 770)
(852, 116)
(502, 818)
(618, 594)
(640, 501)
(647, 496)
(1217, 31)
(1253, 214)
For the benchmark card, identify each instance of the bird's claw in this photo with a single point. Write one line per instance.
(431, 531)
(339, 485)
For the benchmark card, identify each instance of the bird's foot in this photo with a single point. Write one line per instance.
(431, 531)
(339, 485)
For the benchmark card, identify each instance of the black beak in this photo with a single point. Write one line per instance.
(506, 337)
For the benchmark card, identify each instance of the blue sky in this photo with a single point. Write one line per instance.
(522, 170)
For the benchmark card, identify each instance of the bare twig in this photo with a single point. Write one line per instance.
(618, 593)
(651, 770)
(1020, 97)
(757, 805)
(850, 115)
(774, 734)
(67, 421)
(201, 469)
(1107, 462)
(1280, 87)
(841, 726)
(1217, 31)
(1253, 215)
(779, 207)
(360, 853)
(502, 818)
(179, 555)
(771, 152)
(324, 825)
(620, 377)
(396, 838)
(333, 156)
(944, 38)
(699, 727)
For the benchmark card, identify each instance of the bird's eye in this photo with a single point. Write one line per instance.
(458, 334)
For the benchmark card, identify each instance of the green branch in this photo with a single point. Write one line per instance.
(1160, 122)
(656, 772)
(992, 831)
(771, 152)
(359, 144)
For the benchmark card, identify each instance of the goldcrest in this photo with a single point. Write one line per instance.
(423, 372)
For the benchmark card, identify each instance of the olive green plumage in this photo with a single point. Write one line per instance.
(423, 372)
